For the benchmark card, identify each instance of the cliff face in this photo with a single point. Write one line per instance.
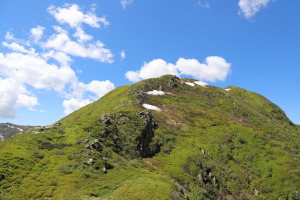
(163, 138)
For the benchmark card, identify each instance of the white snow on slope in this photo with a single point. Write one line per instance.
(19, 129)
(150, 107)
(203, 84)
(228, 89)
(190, 84)
(14, 127)
(155, 92)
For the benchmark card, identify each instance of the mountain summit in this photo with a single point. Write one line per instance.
(162, 138)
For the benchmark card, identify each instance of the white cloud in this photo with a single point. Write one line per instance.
(72, 15)
(124, 3)
(27, 101)
(133, 76)
(9, 36)
(36, 33)
(214, 69)
(78, 100)
(50, 68)
(95, 50)
(60, 30)
(203, 5)
(81, 94)
(35, 71)
(122, 55)
(74, 104)
(13, 94)
(99, 88)
(81, 35)
(153, 69)
(250, 7)
(60, 57)
(15, 47)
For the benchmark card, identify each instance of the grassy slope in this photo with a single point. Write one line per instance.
(212, 142)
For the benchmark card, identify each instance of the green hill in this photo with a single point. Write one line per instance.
(198, 143)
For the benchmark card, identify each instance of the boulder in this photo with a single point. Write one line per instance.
(90, 161)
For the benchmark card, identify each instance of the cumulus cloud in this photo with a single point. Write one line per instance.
(35, 71)
(153, 69)
(73, 104)
(13, 94)
(21, 67)
(72, 15)
(15, 47)
(214, 69)
(98, 88)
(9, 36)
(122, 55)
(124, 3)
(81, 35)
(63, 43)
(250, 7)
(36, 33)
(62, 58)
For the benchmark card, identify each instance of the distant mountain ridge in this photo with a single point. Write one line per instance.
(8, 130)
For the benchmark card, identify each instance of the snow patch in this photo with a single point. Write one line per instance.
(150, 107)
(14, 127)
(190, 84)
(228, 89)
(203, 84)
(155, 92)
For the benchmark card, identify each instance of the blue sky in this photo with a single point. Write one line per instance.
(56, 56)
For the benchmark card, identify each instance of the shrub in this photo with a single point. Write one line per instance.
(65, 170)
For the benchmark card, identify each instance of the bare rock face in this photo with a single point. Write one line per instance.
(106, 119)
(94, 145)
(182, 190)
(146, 137)
(174, 81)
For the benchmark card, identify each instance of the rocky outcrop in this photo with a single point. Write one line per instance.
(94, 145)
(143, 142)
(174, 81)
(182, 190)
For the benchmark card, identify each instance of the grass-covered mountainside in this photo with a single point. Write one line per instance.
(203, 143)
(8, 130)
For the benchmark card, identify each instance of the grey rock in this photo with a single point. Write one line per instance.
(182, 190)
(203, 151)
(85, 141)
(199, 176)
(106, 119)
(90, 161)
(94, 144)
(143, 142)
